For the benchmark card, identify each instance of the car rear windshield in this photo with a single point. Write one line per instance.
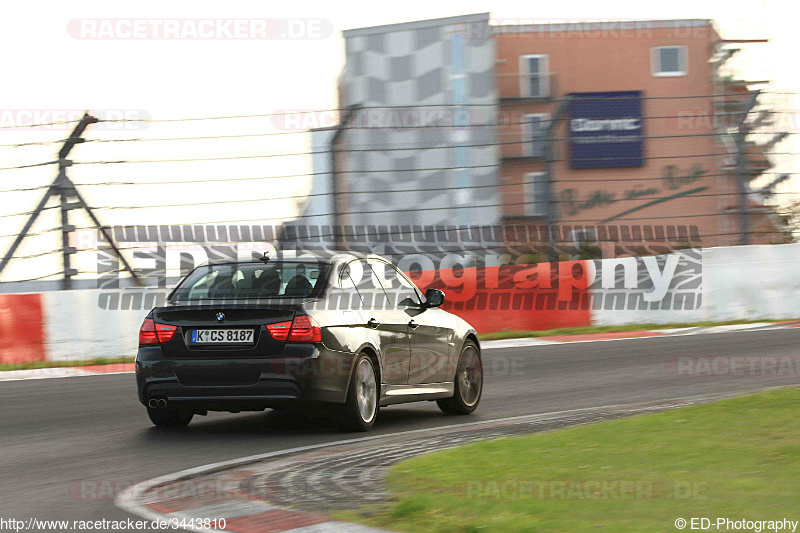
(247, 281)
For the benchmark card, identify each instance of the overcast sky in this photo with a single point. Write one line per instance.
(48, 70)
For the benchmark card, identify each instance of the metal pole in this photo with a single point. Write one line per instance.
(550, 157)
(336, 188)
(66, 229)
(741, 178)
(741, 166)
(66, 190)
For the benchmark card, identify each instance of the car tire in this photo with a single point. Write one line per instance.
(361, 407)
(468, 385)
(169, 418)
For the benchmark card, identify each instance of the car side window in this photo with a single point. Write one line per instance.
(358, 278)
(369, 287)
(348, 274)
(399, 290)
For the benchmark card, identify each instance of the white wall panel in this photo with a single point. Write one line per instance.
(77, 328)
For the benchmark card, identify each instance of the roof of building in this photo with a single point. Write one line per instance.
(417, 24)
(552, 26)
(604, 25)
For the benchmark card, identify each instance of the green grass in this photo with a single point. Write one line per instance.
(581, 330)
(734, 458)
(60, 364)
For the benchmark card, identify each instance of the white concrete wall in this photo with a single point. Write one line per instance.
(738, 283)
(77, 328)
(747, 282)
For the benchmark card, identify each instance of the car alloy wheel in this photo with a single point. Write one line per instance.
(468, 385)
(366, 390)
(470, 376)
(361, 407)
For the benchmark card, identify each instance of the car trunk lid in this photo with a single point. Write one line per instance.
(224, 331)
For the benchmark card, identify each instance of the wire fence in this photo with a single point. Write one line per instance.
(511, 196)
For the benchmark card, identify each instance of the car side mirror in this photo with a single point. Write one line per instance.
(408, 302)
(434, 298)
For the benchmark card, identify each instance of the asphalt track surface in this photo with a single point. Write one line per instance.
(56, 433)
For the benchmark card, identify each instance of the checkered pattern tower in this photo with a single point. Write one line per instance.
(426, 126)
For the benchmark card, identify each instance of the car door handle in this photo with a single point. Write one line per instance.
(374, 324)
(413, 325)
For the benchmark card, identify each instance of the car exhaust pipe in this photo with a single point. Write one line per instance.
(157, 403)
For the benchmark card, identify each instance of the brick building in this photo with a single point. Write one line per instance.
(624, 123)
(458, 121)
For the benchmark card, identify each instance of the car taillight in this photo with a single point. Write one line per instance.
(165, 332)
(304, 330)
(152, 333)
(147, 333)
(279, 331)
(301, 329)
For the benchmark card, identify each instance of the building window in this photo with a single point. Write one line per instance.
(669, 61)
(535, 134)
(536, 194)
(534, 76)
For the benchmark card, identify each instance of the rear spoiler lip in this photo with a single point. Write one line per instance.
(291, 312)
(265, 303)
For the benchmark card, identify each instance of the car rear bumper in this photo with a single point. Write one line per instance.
(299, 373)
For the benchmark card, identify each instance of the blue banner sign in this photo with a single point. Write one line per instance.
(606, 130)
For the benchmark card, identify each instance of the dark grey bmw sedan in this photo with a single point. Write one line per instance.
(343, 335)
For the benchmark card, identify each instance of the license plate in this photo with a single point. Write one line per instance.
(222, 336)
